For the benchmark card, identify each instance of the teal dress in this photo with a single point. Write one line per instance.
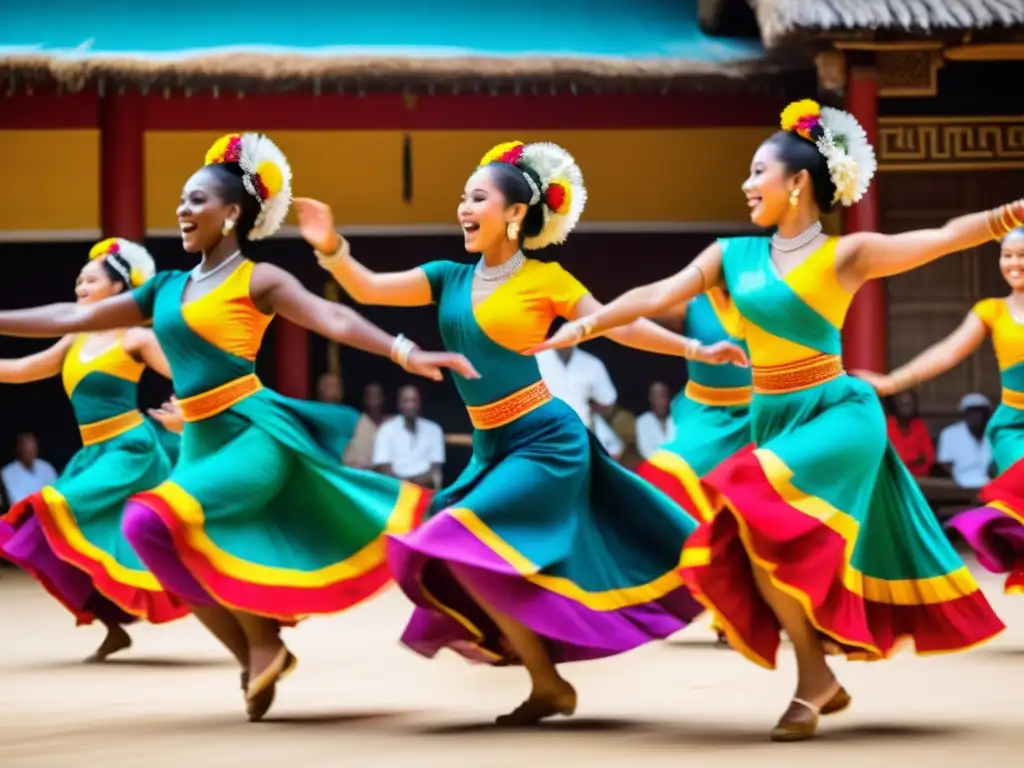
(996, 530)
(711, 415)
(261, 514)
(542, 523)
(822, 502)
(68, 536)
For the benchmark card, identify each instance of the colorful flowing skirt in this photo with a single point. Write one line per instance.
(826, 508)
(260, 515)
(544, 526)
(68, 536)
(705, 436)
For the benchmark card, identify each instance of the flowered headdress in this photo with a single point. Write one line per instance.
(555, 180)
(265, 174)
(842, 141)
(130, 260)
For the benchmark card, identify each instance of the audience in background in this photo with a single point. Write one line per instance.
(655, 427)
(330, 388)
(963, 450)
(408, 446)
(909, 434)
(622, 424)
(27, 474)
(359, 452)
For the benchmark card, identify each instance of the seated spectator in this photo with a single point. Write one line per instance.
(359, 451)
(964, 451)
(27, 474)
(330, 388)
(410, 447)
(655, 427)
(909, 434)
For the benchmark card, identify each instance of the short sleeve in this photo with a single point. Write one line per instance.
(437, 273)
(563, 289)
(437, 452)
(145, 295)
(987, 311)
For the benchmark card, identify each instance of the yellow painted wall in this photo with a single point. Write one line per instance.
(634, 175)
(51, 180)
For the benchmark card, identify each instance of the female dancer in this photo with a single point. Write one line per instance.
(995, 531)
(259, 524)
(544, 550)
(711, 415)
(821, 529)
(68, 536)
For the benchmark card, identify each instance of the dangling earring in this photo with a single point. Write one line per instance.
(794, 198)
(512, 230)
(228, 227)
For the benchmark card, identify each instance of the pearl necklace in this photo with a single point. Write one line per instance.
(506, 268)
(198, 275)
(790, 244)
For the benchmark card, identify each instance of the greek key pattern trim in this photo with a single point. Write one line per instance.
(909, 144)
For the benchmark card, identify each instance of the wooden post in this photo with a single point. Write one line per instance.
(122, 166)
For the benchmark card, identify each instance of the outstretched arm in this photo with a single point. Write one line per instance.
(41, 365)
(394, 289)
(871, 255)
(120, 311)
(278, 292)
(934, 361)
(141, 344)
(648, 336)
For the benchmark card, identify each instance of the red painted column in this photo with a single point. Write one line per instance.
(122, 166)
(864, 344)
(291, 359)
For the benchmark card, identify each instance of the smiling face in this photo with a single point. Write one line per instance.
(1011, 259)
(769, 186)
(202, 212)
(94, 284)
(484, 212)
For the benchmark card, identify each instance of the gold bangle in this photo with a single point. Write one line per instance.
(1013, 217)
(587, 325)
(703, 277)
(992, 231)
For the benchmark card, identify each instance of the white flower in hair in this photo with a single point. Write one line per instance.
(267, 176)
(850, 156)
(563, 192)
(141, 266)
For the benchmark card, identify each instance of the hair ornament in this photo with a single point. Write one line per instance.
(266, 176)
(561, 186)
(841, 141)
(130, 260)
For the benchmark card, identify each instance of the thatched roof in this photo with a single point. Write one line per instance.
(275, 45)
(785, 20)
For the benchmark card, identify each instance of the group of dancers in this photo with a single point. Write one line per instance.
(778, 506)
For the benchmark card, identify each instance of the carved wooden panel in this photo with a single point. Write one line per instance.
(945, 144)
(908, 73)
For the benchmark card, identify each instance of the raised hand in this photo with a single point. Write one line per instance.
(316, 224)
(429, 364)
(721, 353)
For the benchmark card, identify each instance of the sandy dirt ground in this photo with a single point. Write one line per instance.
(358, 698)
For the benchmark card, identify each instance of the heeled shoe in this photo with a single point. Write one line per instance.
(794, 728)
(259, 692)
(533, 710)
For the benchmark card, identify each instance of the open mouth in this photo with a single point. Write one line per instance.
(470, 227)
(187, 226)
(753, 202)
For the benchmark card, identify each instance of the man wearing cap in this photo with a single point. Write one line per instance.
(963, 450)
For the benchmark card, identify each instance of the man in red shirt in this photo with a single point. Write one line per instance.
(909, 434)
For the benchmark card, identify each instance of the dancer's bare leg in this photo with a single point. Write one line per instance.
(117, 639)
(269, 661)
(816, 684)
(550, 693)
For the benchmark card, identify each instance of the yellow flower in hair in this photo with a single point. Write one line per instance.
(271, 178)
(224, 150)
(508, 152)
(102, 248)
(801, 116)
(136, 278)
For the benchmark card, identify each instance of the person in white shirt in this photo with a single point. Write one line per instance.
(408, 446)
(963, 449)
(655, 427)
(582, 381)
(27, 474)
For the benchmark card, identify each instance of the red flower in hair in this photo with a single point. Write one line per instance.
(555, 197)
(261, 188)
(114, 248)
(512, 156)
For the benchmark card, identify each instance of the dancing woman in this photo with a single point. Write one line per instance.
(68, 536)
(995, 531)
(258, 524)
(544, 550)
(711, 415)
(821, 529)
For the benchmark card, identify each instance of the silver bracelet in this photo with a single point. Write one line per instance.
(329, 260)
(692, 345)
(401, 348)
